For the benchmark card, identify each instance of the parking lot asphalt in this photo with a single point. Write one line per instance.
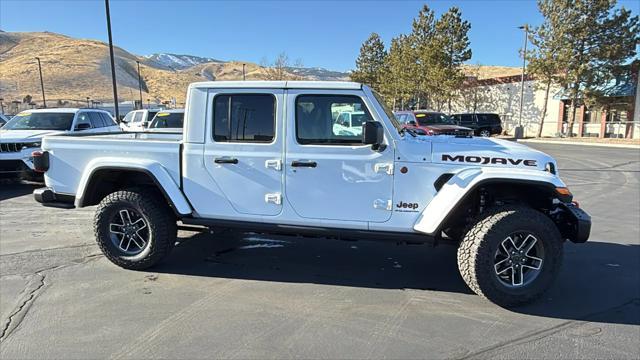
(250, 296)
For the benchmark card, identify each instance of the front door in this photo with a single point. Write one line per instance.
(330, 174)
(243, 154)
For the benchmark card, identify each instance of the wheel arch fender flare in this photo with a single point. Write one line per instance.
(158, 173)
(465, 182)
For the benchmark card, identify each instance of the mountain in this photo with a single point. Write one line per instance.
(74, 69)
(177, 62)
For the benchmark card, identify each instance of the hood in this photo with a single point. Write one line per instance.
(25, 135)
(474, 151)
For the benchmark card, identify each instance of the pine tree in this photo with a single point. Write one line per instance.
(423, 62)
(598, 40)
(451, 35)
(398, 80)
(371, 62)
(547, 60)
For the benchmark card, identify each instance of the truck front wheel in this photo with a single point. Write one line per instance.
(135, 228)
(511, 256)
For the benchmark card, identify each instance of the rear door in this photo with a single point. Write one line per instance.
(243, 153)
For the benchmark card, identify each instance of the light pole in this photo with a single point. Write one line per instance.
(244, 77)
(113, 66)
(519, 131)
(140, 84)
(44, 100)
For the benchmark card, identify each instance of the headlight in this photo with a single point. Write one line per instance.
(31, 145)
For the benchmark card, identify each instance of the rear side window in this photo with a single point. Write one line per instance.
(466, 118)
(244, 118)
(488, 118)
(316, 119)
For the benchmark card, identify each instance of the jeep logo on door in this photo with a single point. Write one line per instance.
(483, 160)
(407, 207)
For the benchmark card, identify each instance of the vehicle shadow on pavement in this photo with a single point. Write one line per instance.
(12, 189)
(317, 260)
(599, 282)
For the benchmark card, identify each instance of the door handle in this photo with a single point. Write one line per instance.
(310, 164)
(226, 160)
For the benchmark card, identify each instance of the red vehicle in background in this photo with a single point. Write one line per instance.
(425, 122)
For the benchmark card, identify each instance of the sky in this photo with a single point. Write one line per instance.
(320, 33)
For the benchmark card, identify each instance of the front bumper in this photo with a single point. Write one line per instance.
(47, 197)
(18, 164)
(575, 223)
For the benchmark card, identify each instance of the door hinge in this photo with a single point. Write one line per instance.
(382, 204)
(273, 198)
(384, 167)
(274, 164)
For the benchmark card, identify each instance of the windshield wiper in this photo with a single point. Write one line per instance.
(408, 130)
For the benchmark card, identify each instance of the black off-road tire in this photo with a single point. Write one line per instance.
(477, 249)
(161, 222)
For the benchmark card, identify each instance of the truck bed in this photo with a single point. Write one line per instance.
(71, 155)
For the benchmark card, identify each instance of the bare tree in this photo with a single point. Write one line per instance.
(281, 68)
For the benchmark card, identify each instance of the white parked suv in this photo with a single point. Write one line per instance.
(263, 157)
(138, 120)
(23, 134)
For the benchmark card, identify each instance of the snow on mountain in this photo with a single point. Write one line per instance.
(178, 62)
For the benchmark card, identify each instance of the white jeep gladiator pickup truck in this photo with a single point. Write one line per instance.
(263, 157)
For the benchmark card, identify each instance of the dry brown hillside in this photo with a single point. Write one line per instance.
(77, 68)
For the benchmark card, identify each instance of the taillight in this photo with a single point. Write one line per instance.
(40, 161)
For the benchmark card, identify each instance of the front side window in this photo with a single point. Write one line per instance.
(317, 115)
(128, 118)
(138, 116)
(96, 120)
(83, 122)
(40, 121)
(244, 118)
(167, 120)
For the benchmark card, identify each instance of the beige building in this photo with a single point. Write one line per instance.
(619, 116)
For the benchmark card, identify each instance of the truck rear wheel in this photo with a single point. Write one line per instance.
(135, 228)
(511, 256)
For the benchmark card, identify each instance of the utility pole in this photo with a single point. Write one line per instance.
(140, 84)
(113, 66)
(44, 100)
(519, 131)
(244, 77)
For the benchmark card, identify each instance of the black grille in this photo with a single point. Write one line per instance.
(10, 147)
(12, 166)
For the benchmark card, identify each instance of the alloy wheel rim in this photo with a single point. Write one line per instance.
(129, 231)
(485, 133)
(519, 259)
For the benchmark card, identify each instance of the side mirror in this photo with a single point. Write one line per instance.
(82, 126)
(373, 134)
(413, 123)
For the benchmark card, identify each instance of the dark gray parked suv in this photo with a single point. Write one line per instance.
(483, 124)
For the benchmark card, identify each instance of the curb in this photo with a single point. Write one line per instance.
(620, 146)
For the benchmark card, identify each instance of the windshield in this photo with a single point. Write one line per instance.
(387, 111)
(433, 119)
(40, 121)
(167, 120)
